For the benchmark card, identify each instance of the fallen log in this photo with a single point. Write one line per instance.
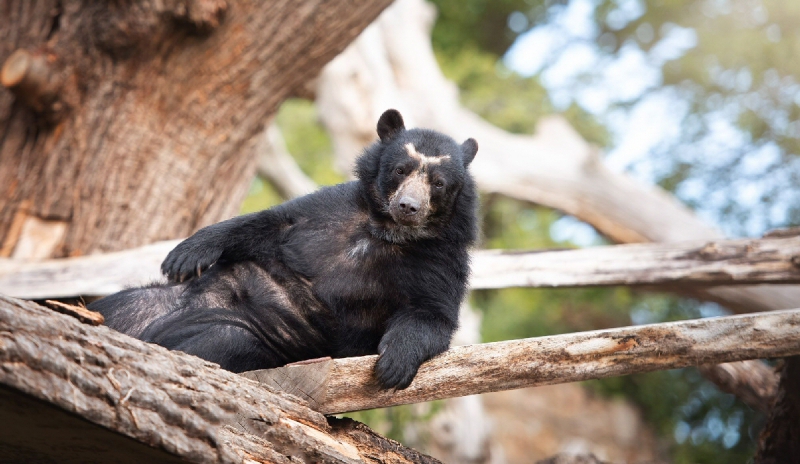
(698, 264)
(74, 393)
(334, 386)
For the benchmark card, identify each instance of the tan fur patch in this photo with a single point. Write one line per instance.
(422, 158)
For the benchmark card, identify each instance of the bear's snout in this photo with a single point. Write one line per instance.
(410, 204)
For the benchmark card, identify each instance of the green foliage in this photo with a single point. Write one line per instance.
(307, 141)
(700, 423)
(743, 71)
(483, 24)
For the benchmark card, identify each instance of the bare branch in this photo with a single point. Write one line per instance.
(348, 385)
(698, 263)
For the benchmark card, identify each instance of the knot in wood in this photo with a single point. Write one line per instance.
(795, 261)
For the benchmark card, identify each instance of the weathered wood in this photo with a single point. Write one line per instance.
(472, 369)
(178, 404)
(696, 264)
(99, 274)
(752, 381)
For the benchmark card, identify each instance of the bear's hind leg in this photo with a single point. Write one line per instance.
(132, 310)
(215, 335)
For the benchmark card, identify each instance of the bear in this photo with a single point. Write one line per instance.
(378, 265)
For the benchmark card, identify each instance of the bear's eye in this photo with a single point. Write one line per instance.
(438, 184)
(399, 171)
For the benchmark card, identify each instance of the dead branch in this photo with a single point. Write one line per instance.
(82, 314)
(698, 263)
(276, 165)
(342, 385)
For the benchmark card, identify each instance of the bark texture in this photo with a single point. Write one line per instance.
(124, 123)
(343, 385)
(179, 404)
(780, 440)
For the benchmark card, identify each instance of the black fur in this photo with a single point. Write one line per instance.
(329, 274)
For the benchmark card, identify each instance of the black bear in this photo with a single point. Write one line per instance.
(377, 265)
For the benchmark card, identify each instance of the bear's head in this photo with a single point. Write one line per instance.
(416, 180)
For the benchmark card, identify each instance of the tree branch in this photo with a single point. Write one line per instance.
(697, 263)
(342, 385)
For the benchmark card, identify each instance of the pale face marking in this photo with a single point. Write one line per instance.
(424, 159)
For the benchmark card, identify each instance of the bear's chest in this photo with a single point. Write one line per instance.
(343, 263)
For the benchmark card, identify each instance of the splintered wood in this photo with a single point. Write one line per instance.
(467, 370)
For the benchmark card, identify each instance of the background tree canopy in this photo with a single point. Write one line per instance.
(700, 96)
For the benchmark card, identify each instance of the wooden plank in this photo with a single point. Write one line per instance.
(699, 264)
(473, 369)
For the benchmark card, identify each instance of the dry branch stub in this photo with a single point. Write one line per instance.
(33, 80)
(467, 370)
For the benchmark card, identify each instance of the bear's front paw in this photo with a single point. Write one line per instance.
(396, 367)
(188, 260)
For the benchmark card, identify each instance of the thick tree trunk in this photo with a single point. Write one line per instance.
(780, 439)
(124, 123)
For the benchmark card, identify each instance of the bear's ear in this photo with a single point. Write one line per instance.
(389, 124)
(469, 148)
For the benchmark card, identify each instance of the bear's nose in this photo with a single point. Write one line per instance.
(409, 206)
